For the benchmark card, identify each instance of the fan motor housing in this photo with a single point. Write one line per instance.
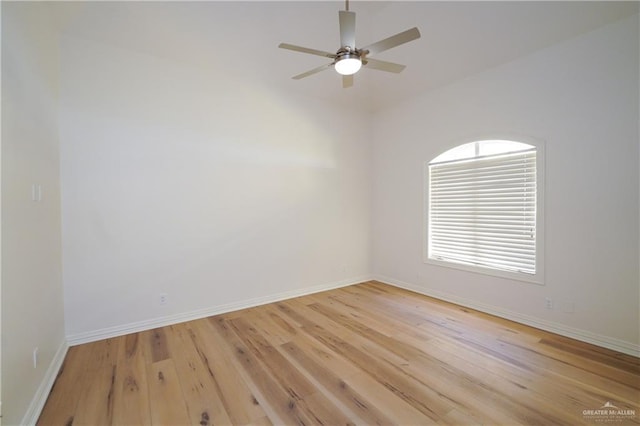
(347, 52)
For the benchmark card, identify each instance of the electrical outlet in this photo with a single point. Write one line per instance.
(548, 303)
(162, 299)
(35, 358)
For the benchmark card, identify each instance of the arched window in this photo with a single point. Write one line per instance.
(484, 209)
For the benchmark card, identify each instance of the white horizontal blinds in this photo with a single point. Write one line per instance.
(482, 211)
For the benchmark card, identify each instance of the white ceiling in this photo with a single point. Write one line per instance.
(458, 38)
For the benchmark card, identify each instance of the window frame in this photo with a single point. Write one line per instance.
(538, 277)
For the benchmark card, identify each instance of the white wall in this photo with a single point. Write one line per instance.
(32, 301)
(581, 98)
(201, 184)
(194, 183)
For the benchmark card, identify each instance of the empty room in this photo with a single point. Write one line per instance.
(320, 212)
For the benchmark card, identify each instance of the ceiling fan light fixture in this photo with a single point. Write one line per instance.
(348, 64)
(349, 59)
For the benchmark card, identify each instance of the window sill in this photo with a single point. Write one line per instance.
(537, 278)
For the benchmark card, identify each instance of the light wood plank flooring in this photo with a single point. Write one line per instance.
(365, 354)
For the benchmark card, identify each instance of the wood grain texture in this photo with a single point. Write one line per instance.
(367, 354)
(131, 390)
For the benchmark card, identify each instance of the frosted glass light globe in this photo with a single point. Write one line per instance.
(348, 66)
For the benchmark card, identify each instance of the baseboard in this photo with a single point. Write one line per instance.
(563, 330)
(120, 330)
(41, 395)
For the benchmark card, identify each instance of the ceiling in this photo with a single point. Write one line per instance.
(458, 39)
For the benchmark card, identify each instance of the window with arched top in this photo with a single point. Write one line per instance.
(484, 209)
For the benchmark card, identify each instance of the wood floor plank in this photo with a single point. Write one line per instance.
(363, 354)
(96, 403)
(332, 361)
(168, 406)
(131, 393)
(313, 403)
(238, 399)
(399, 410)
(458, 385)
(281, 405)
(422, 398)
(271, 329)
(548, 393)
(158, 344)
(336, 386)
(60, 409)
(460, 418)
(289, 378)
(204, 403)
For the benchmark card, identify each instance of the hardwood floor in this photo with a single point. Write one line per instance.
(365, 354)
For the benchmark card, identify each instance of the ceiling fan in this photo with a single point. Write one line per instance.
(349, 59)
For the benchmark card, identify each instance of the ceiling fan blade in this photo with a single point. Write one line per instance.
(347, 81)
(306, 50)
(313, 71)
(393, 41)
(347, 29)
(384, 65)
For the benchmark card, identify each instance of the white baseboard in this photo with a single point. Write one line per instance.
(563, 330)
(41, 395)
(120, 330)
